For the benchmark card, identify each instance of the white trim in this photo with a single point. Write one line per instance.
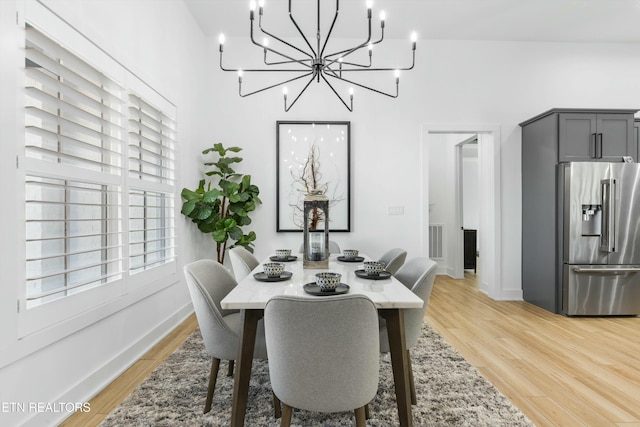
(44, 337)
(491, 277)
(96, 381)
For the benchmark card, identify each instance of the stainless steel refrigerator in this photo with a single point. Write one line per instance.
(600, 238)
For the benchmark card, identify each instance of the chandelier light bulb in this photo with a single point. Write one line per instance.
(370, 46)
(221, 39)
(265, 42)
(414, 36)
(351, 91)
(397, 73)
(240, 73)
(261, 3)
(285, 91)
(383, 15)
(252, 5)
(340, 59)
(369, 4)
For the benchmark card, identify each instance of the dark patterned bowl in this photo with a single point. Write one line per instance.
(328, 281)
(273, 269)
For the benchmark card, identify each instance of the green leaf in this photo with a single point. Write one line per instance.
(188, 194)
(220, 236)
(203, 211)
(235, 233)
(238, 210)
(188, 207)
(211, 195)
(229, 223)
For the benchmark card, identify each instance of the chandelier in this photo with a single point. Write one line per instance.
(315, 63)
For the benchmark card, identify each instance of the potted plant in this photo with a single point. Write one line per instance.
(224, 209)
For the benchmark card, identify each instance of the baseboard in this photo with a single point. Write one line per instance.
(510, 295)
(98, 380)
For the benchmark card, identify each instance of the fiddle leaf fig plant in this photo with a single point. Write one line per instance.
(223, 209)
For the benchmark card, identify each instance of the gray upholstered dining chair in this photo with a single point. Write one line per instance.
(209, 282)
(393, 259)
(323, 353)
(242, 262)
(418, 274)
(334, 248)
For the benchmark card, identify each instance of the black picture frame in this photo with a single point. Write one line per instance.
(294, 142)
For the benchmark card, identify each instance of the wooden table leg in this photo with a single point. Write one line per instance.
(244, 363)
(399, 362)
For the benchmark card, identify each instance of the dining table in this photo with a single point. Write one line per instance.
(388, 294)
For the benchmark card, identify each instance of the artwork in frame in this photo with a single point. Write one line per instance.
(313, 156)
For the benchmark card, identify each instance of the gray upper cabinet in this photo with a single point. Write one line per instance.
(595, 137)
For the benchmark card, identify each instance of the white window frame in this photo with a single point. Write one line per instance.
(54, 320)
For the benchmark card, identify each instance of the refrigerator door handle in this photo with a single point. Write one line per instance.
(607, 270)
(607, 238)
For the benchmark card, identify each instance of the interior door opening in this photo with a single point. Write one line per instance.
(443, 184)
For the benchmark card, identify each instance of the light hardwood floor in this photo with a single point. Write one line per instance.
(559, 371)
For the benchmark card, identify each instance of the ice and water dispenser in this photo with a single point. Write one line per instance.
(591, 220)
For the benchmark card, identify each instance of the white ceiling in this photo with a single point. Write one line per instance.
(616, 21)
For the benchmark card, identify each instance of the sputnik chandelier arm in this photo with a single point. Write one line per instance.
(312, 63)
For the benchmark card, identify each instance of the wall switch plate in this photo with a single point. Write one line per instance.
(396, 210)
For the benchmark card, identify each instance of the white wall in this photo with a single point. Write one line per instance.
(512, 81)
(161, 44)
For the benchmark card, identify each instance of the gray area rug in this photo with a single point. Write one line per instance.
(450, 392)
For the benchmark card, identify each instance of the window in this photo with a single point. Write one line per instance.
(151, 167)
(89, 222)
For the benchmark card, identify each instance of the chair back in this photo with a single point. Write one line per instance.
(242, 262)
(418, 274)
(393, 259)
(209, 282)
(323, 352)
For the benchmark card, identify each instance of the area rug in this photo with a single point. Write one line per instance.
(449, 390)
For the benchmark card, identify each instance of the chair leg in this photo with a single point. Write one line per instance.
(286, 415)
(366, 411)
(412, 385)
(361, 418)
(213, 376)
(230, 371)
(276, 406)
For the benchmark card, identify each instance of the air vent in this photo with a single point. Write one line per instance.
(436, 241)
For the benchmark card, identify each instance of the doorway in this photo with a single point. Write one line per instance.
(489, 199)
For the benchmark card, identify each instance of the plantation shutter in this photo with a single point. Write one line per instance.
(74, 140)
(151, 191)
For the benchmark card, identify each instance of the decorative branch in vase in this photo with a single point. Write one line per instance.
(308, 180)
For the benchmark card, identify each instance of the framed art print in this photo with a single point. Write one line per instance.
(313, 156)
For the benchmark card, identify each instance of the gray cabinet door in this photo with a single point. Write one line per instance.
(636, 127)
(595, 137)
(615, 138)
(577, 137)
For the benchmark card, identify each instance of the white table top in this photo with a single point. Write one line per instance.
(253, 294)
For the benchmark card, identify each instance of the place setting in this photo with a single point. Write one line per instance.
(273, 272)
(283, 255)
(373, 270)
(327, 283)
(350, 255)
